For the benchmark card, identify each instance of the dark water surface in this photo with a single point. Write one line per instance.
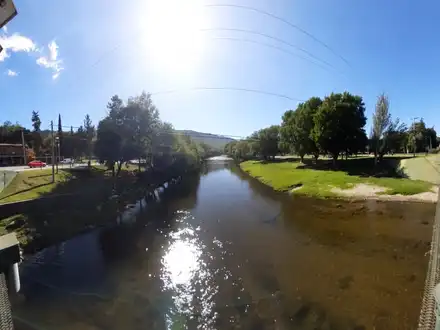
(222, 251)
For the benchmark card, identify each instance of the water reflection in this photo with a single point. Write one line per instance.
(186, 277)
(222, 251)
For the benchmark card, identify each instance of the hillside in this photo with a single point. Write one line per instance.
(215, 141)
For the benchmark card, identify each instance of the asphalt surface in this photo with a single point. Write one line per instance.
(27, 168)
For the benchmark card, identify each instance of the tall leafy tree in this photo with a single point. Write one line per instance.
(420, 137)
(396, 137)
(127, 132)
(60, 135)
(265, 141)
(381, 124)
(431, 137)
(36, 136)
(90, 133)
(339, 125)
(296, 128)
(36, 122)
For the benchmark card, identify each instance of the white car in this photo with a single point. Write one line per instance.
(67, 161)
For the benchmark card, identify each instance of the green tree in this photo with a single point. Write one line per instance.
(36, 122)
(229, 148)
(266, 140)
(36, 136)
(90, 133)
(242, 149)
(339, 125)
(396, 137)
(431, 137)
(127, 131)
(296, 128)
(381, 124)
(60, 135)
(419, 137)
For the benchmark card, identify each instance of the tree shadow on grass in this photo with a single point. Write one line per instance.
(358, 166)
(26, 190)
(39, 176)
(88, 199)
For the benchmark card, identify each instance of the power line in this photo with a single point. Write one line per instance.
(181, 132)
(273, 38)
(274, 47)
(239, 89)
(260, 11)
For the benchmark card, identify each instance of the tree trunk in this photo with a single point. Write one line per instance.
(302, 158)
(335, 159)
(119, 167)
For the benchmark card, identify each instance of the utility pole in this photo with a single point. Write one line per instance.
(24, 147)
(414, 135)
(89, 149)
(53, 152)
(59, 151)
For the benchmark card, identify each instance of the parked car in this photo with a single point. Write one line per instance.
(36, 163)
(67, 161)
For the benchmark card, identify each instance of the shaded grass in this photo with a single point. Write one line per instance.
(32, 184)
(21, 232)
(283, 176)
(85, 199)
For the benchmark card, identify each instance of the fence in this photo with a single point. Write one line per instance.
(5, 178)
(427, 319)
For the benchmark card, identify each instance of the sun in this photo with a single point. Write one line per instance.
(171, 34)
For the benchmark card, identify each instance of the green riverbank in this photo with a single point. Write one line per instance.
(79, 200)
(353, 178)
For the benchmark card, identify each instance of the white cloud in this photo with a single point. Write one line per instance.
(52, 62)
(11, 73)
(15, 43)
(18, 43)
(5, 29)
(53, 50)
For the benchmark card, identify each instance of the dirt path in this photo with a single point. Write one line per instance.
(422, 168)
(368, 191)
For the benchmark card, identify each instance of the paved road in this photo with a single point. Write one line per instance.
(27, 168)
(423, 168)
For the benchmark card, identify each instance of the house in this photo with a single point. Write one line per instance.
(12, 154)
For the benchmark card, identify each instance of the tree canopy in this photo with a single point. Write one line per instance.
(339, 125)
(296, 128)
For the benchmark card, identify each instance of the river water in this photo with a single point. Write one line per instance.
(222, 251)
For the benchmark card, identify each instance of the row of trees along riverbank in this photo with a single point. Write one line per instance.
(335, 126)
(90, 197)
(134, 130)
(130, 130)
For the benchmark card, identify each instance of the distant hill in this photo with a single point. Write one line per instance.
(213, 140)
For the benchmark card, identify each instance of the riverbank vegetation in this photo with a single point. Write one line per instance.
(32, 184)
(320, 180)
(335, 126)
(91, 195)
(321, 132)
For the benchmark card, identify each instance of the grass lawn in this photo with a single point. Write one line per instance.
(282, 176)
(32, 184)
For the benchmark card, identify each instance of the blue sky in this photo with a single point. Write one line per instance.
(70, 57)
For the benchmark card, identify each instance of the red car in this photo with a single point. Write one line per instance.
(36, 163)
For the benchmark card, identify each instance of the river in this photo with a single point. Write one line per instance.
(223, 251)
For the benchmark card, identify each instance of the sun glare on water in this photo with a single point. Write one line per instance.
(171, 33)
